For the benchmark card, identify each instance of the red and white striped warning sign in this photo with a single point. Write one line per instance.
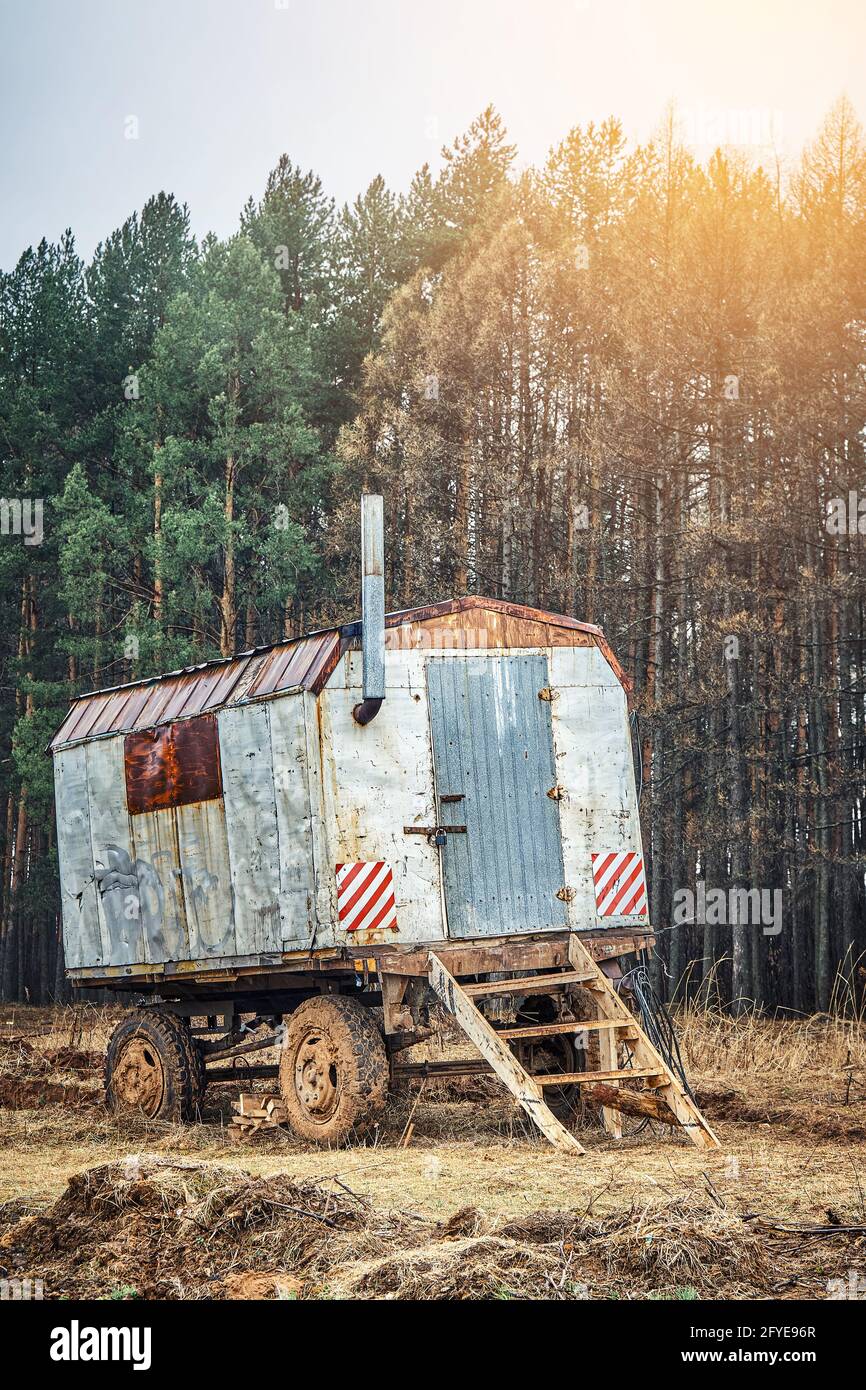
(365, 897)
(620, 883)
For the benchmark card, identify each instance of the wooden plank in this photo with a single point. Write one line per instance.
(250, 1104)
(529, 984)
(608, 1059)
(396, 1017)
(473, 959)
(509, 952)
(545, 1030)
(576, 1078)
(504, 1063)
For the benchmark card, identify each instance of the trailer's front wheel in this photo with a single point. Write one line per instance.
(153, 1067)
(333, 1070)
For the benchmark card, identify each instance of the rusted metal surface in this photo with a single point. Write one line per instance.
(489, 623)
(305, 663)
(185, 853)
(308, 662)
(173, 765)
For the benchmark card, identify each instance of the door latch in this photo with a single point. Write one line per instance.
(436, 834)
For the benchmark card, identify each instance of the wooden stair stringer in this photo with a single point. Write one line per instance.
(683, 1109)
(514, 1077)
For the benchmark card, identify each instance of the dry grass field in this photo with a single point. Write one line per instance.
(476, 1205)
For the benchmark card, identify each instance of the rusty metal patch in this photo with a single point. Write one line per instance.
(308, 662)
(174, 765)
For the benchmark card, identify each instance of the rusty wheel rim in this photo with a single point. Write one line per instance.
(553, 1054)
(317, 1076)
(138, 1082)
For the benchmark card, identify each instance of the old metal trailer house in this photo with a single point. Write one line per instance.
(440, 802)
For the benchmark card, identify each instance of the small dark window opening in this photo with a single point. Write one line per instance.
(172, 766)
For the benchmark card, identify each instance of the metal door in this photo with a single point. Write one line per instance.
(494, 766)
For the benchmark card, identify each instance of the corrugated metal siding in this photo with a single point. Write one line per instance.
(493, 743)
(158, 872)
(294, 820)
(111, 843)
(203, 866)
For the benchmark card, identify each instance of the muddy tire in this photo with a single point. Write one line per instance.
(153, 1067)
(333, 1070)
(199, 1068)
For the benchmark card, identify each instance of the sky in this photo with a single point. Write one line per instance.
(104, 102)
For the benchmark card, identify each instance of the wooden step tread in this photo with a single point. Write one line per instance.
(574, 1078)
(528, 984)
(545, 1030)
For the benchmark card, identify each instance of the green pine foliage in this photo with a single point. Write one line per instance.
(624, 385)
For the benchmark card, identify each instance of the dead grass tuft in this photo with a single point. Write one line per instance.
(469, 1267)
(688, 1243)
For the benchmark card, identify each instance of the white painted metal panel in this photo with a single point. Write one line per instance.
(325, 887)
(82, 941)
(376, 780)
(112, 855)
(594, 761)
(294, 819)
(251, 825)
(205, 878)
(162, 909)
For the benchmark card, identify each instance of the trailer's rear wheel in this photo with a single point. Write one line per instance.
(333, 1070)
(547, 1056)
(153, 1067)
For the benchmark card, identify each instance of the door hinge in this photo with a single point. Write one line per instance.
(556, 793)
(566, 894)
(548, 693)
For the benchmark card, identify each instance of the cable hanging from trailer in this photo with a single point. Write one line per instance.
(657, 1021)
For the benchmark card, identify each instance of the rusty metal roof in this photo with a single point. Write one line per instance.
(303, 663)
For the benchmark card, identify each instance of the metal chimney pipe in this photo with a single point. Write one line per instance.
(372, 606)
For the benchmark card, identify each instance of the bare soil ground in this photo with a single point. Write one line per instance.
(477, 1206)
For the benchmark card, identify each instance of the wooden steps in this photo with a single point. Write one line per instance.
(667, 1098)
(574, 1078)
(549, 1030)
(522, 1086)
(528, 984)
